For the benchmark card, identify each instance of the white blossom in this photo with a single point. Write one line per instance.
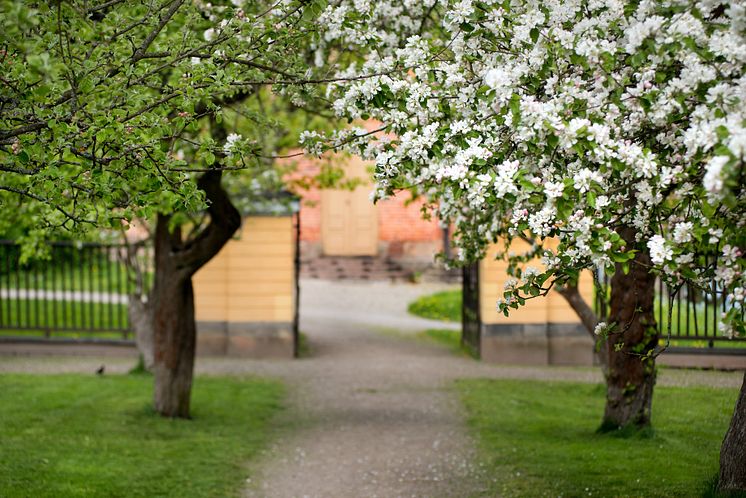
(230, 143)
(682, 232)
(713, 180)
(600, 328)
(659, 250)
(637, 121)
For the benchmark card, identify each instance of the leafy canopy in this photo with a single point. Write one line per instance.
(109, 109)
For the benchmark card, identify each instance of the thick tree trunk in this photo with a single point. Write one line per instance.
(175, 343)
(733, 451)
(173, 299)
(630, 374)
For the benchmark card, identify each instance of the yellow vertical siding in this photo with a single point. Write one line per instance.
(252, 278)
(349, 221)
(548, 309)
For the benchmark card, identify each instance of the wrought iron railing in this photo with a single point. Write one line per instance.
(80, 290)
(694, 313)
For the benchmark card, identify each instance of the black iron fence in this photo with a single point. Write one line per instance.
(689, 313)
(80, 291)
(694, 314)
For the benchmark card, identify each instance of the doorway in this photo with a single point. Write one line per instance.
(349, 220)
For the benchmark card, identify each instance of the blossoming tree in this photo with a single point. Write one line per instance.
(616, 130)
(117, 110)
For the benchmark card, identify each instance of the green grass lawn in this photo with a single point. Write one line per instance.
(71, 318)
(539, 439)
(75, 435)
(445, 305)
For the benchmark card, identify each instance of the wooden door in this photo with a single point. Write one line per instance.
(349, 221)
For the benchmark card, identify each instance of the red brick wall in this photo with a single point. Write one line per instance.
(397, 222)
(400, 222)
(310, 216)
(310, 209)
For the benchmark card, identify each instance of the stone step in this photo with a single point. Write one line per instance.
(353, 268)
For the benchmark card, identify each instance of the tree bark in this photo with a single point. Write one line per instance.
(733, 451)
(175, 344)
(140, 315)
(176, 261)
(630, 374)
(588, 318)
(139, 310)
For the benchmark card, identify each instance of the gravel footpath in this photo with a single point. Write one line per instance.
(370, 413)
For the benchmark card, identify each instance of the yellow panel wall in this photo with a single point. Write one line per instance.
(252, 277)
(349, 221)
(551, 308)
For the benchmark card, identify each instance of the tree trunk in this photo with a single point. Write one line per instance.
(733, 451)
(140, 315)
(588, 318)
(139, 310)
(176, 261)
(630, 374)
(176, 339)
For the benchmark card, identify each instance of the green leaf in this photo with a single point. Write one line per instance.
(722, 132)
(515, 106)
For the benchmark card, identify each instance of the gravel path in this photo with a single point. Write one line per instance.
(370, 412)
(373, 418)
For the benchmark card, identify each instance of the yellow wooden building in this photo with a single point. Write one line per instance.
(546, 331)
(246, 298)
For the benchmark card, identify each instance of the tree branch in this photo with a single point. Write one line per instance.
(586, 314)
(224, 221)
(22, 129)
(31, 195)
(140, 52)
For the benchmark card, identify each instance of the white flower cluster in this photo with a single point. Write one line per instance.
(312, 143)
(230, 143)
(563, 119)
